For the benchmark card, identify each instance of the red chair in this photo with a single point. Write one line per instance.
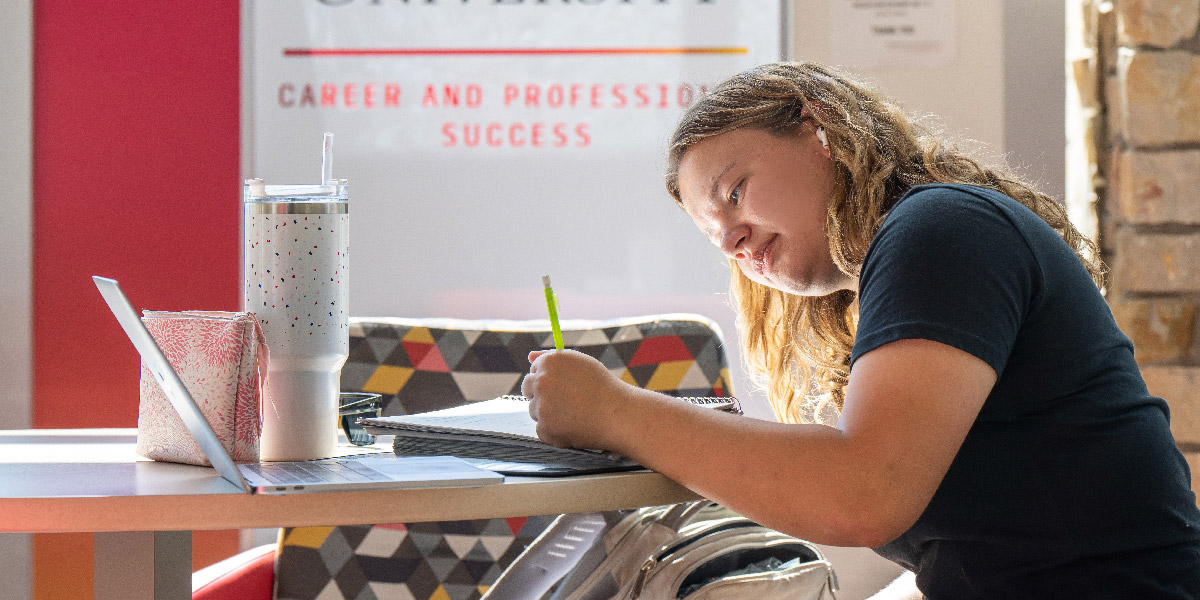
(250, 574)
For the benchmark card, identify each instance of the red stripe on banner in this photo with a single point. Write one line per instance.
(303, 52)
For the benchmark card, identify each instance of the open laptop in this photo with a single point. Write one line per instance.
(385, 471)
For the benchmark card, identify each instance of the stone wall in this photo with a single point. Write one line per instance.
(1139, 87)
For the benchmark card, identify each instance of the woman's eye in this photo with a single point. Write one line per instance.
(735, 195)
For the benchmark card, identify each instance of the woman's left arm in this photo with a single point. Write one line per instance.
(908, 408)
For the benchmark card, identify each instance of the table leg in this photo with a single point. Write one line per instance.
(143, 564)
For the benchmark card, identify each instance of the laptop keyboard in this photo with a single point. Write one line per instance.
(326, 471)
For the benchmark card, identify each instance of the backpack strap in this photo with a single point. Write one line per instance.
(679, 515)
(550, 557)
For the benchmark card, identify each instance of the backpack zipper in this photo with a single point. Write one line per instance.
(640, 582)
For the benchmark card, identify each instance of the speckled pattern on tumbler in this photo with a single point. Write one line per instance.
(297, 267)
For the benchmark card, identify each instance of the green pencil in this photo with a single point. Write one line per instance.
(552, 308)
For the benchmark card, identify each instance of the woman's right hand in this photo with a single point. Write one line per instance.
(574, 399)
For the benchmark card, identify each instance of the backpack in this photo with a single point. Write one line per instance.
(690, 551)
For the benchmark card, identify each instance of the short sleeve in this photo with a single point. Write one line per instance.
(947, 265)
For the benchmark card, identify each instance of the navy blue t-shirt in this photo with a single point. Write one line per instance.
(1069, 483)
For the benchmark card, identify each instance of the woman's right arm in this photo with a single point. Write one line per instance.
(908, 407)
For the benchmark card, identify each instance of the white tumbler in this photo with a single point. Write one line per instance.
(296, 276)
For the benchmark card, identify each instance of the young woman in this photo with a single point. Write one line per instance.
(993, 434)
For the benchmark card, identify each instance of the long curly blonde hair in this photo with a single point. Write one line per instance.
(798, 347)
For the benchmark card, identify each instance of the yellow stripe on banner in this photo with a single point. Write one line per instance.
(308, 537)
(387, 379)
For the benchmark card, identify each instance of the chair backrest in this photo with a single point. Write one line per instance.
(428, 364)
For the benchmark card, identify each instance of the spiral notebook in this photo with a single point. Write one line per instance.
(499, 435)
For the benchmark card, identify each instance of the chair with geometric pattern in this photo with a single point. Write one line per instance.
(420, 365)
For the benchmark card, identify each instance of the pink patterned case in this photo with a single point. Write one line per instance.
(222, 359)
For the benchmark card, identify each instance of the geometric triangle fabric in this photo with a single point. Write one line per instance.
(642, 374)
(495, 546)
(661, 349)
(627, 377)
(485, 386)
(427, 542)
(453, 345)
(515, 524)
(381, 541)
(419, 335)
(331, 592)
(628, 333)
(610, 359)
(669, 375)
(429, 364)
(335, 551)
(695, 378)
(426, 356)
(387, 379)
(433, 361)
(459, 565)
(308, 537)
(460, 544)
(391, 591)
(591, 337)
(421, 364)
(381, 346)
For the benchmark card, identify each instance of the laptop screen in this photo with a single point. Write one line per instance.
(168, 379)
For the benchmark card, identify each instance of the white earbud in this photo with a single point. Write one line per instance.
(821, 136)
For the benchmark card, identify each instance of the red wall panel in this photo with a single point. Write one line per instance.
(135, 176)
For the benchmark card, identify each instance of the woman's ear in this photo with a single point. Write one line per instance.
(806, 114)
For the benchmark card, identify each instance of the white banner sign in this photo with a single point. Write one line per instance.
(489, 142)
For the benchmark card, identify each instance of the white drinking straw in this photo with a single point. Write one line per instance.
(327, 160)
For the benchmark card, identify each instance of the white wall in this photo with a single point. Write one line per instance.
(964, 96)
(1035, 92)
(1004, 88)
(16, 79)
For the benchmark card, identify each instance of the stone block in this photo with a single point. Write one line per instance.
(1160, 97)
(1159, 187)
(1095, 135)
(1161, 329)
(1156, 262)
(1193, 461)
(1106, 35)
(1160, 23)
(1180, 387)
(1083, 70)
(1114, 109)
